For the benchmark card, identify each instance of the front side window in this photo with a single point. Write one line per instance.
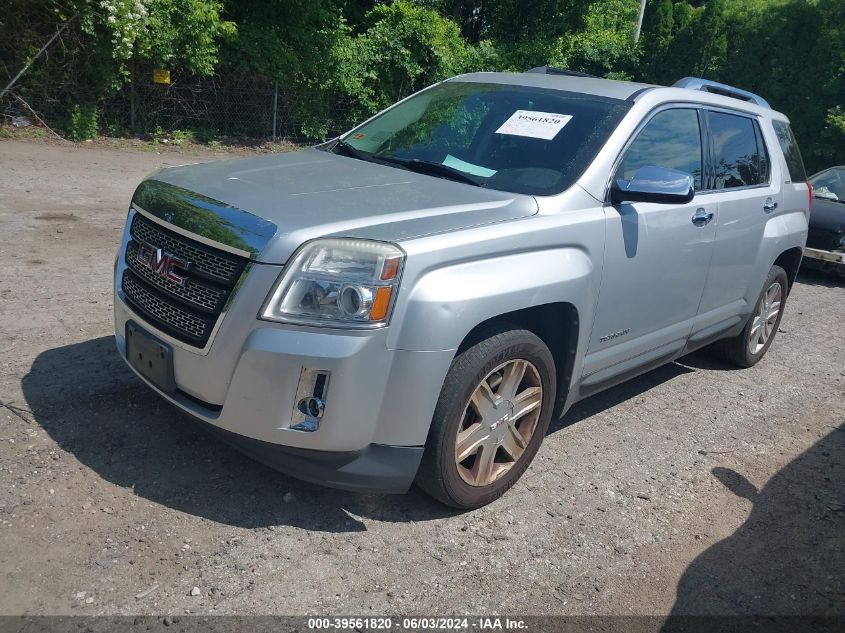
(672, 139)
(739, 156)
(513, 138)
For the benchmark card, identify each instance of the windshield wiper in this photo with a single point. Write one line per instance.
(433, 169)
(350, 151)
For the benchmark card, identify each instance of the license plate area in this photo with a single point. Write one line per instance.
(150, 357)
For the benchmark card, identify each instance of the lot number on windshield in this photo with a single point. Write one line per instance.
(533, 124)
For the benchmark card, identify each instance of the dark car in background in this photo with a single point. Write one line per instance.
(826, 238)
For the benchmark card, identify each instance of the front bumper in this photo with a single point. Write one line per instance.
(378, 406)
(834, 257)
(827, 261)
(244, 384)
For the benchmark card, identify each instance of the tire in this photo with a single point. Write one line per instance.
(511, 362)
(739, 349)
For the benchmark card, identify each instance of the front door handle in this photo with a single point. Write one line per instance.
(769, 205)
(702, 217)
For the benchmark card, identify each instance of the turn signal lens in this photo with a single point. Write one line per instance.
(391, 268)
(381, 304)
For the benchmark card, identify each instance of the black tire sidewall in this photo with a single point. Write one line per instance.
(775, 274)
(465, 374)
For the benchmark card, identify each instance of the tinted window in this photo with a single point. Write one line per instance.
(794, 162)
(830, 184)
(670, 139)
(513, 138)
(738, 159)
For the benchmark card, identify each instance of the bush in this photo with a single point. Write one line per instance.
(83, 122)
(204, 134)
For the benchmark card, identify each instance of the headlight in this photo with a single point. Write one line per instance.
(338, 282)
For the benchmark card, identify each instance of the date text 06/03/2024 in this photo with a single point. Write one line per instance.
(418, 624)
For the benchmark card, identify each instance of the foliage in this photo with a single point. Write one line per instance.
(339, 61)
(790, 51)
(83, 122)
(605, 47)
(658, 28)
(102, 41)
(406, 48)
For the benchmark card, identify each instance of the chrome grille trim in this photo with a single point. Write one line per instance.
(189, 312)
(181, 322)
(220, 267)
(204, 297)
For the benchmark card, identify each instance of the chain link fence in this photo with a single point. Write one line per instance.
(219, 106)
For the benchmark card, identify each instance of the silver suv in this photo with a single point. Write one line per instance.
(415, 300)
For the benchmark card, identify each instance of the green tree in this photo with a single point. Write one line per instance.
(605, 46)
(404, 48)
(100, 43)
(658, 28)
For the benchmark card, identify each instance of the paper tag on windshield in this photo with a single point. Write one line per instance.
(533, 124)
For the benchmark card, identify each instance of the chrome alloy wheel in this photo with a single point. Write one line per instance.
(498, 422)
(763, 325)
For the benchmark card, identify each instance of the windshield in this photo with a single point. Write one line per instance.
(829, 184)
(512, 138)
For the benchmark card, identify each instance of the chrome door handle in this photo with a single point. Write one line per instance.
(702, 217)
(769, 205)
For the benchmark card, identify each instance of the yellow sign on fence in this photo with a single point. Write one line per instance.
(161, 76)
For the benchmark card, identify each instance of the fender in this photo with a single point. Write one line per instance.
(782, 232)
(448, 302)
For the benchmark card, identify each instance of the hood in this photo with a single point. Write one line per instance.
(312, 193)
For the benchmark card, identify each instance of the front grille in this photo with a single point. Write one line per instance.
(204, 297)
(186, 311)
(207, 261)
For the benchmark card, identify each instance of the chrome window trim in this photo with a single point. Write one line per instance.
(673, 105)
(690, 105)
(755, 119)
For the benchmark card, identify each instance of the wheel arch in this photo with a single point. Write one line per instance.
(556, 324)
(790, 261)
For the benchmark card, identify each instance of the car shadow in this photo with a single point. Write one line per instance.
(788, 558)
(620, 393)
(97, 410)
(815, 277)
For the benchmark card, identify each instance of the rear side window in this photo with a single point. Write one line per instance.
(790, 151)
(672, 139)
(739, 155)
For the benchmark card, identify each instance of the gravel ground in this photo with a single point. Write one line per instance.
(693, 489)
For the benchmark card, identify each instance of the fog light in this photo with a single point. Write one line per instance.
(310, 399)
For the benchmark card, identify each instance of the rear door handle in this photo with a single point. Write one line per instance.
(702, 217)
(769, 205)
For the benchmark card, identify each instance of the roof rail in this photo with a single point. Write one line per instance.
(705, 85)
(551, 70)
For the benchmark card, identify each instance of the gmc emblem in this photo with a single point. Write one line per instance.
(161, 262)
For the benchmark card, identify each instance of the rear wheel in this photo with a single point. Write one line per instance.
(493, 412)
(755, 339)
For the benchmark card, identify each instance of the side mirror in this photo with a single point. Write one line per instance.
(654, 184)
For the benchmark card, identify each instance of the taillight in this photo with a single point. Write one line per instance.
(809, 199)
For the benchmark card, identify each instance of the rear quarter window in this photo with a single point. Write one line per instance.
(791, 153)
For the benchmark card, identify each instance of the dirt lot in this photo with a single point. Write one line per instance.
(694, 489)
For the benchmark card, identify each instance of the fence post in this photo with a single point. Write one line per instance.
(275, 108)
(132, 99)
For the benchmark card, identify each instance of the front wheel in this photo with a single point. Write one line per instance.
(755, 339)
(493, 412)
